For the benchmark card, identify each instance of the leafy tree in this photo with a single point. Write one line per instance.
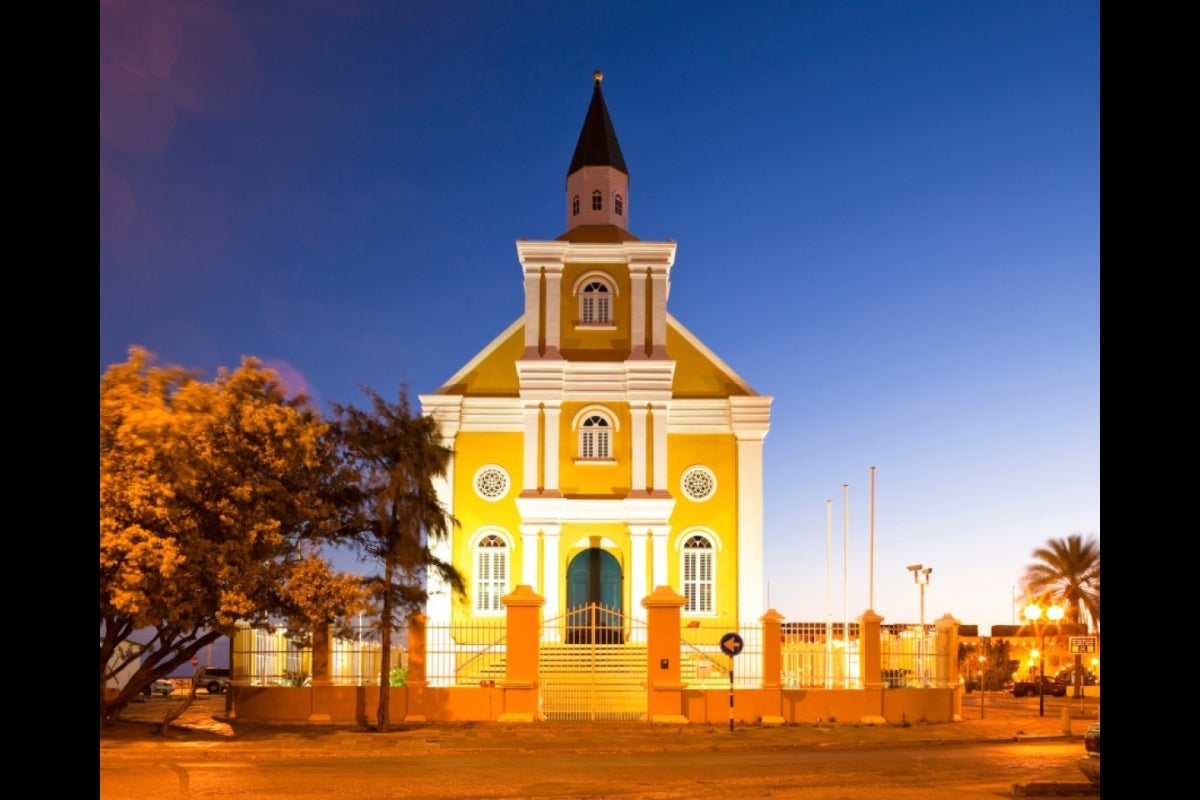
(312, 596)
(1067, 572)
(997, 666)
(397, 457)
(206, 492)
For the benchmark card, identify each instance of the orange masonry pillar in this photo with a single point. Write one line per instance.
(946, 666)
(869, 626)
(415, 681)
(772, 667)
(663, 687)
(524, 625)
(322, 647)
(322, 643)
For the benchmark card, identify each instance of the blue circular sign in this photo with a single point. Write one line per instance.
(731, 644)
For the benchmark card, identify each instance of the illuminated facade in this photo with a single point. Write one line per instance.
(601, 450)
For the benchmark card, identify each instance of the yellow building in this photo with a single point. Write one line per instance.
(600, 449)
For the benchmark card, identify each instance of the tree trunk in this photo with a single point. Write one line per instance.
(385, 652)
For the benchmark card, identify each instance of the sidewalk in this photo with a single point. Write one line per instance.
(205, 726)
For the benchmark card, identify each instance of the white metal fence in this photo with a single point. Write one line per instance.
(812, 655)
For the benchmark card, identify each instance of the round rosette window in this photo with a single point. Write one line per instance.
(698, 483)
(491, 482)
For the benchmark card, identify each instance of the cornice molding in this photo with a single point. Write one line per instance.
(537, 254)
(642, 511)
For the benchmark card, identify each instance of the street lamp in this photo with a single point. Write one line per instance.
(1033, 613)
(919, 570)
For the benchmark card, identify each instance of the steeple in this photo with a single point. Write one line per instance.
(597, 180)
(597, 145)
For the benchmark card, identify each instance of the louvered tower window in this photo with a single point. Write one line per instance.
(595, 438)
(595, 304)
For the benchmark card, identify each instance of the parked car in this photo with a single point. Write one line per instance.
(161, 686)
(215, 679)
(1089, 763)
(1029, 688)
(1067, 676)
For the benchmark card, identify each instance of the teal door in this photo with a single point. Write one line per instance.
(594, 610)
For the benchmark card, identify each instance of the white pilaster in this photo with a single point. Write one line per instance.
(552, 577)
(530, 553)
(750, 418)
(448, 413)
(552, 412)
(533, 319)
(639, 565)
(658, 312)
(553, 274)
(658, 423)
(750, 521)
(659, 535)
(439, 605)
(638, 444)
(639, 544)
(532, 416)
(637, 311)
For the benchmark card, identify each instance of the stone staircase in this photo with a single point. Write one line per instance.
(607, 663)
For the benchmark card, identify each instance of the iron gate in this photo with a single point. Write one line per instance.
(592, 666)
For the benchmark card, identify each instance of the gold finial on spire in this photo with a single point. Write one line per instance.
(599, 76)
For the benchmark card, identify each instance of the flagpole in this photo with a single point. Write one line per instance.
(871, 557)
(845, 566)
(828, 680)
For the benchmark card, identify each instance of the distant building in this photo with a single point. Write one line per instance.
(1026, 642)
(601, 450)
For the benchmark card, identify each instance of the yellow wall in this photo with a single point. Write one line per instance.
(585, 479)
(595, 345)
(716, 515)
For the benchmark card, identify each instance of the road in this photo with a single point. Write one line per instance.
(957, 771)
(448, 763)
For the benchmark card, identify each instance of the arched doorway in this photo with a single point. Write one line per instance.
(594, 598)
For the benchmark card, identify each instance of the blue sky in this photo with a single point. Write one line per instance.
(887, 217)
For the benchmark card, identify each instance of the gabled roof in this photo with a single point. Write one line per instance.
(700, 373)
(597, 146)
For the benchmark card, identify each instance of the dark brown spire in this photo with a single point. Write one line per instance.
(597, 145)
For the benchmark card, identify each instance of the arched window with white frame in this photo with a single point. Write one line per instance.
(597, 201)
(491, 573)
(618, 205)
(698, 571)
(575, 206)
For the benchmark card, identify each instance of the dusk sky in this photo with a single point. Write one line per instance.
(887, 217)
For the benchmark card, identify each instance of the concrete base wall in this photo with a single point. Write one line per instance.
(357, 705)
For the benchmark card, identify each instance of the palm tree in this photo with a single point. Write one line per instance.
(396, 457)
(1067, 572)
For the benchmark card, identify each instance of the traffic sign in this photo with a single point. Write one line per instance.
(1083, 644)
(731, 644)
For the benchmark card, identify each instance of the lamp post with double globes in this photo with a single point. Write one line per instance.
(1033, 613)
(919, 570)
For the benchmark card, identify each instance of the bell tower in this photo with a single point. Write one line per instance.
(597, 180)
